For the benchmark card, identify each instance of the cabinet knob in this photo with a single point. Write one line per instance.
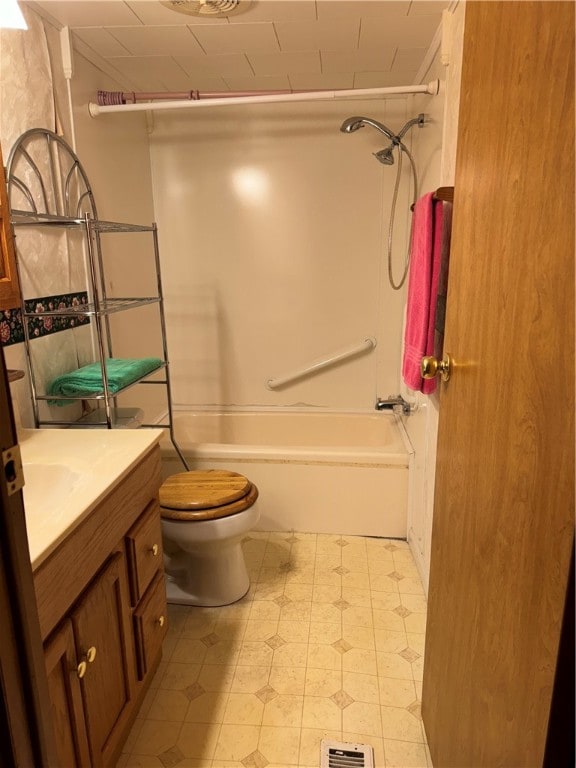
(81, 669)
(90, 654)
(155, 549)
(161, 620)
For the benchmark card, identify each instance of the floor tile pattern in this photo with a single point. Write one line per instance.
(328, 643)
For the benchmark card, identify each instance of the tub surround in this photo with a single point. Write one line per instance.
(68, 472)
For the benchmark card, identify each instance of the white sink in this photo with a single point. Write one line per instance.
(46, 486)
(67, 472)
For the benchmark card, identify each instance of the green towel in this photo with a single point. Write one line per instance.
(87, 380)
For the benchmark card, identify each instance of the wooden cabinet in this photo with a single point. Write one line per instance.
(101, 623)
(9, 289)
(103, 639)
(66, 698)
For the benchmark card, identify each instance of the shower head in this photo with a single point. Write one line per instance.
(352, 124)
(385, 156)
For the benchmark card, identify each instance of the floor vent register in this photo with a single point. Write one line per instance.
(341, 754)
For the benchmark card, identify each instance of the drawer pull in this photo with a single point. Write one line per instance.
(161, 620)
(81, 669)
(155, 549)
(90, 654)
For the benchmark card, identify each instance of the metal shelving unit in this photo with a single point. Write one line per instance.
(48, 188)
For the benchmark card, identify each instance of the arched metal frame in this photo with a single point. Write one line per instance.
(56, 198)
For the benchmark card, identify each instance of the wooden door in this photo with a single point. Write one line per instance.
(66, 698)
(101, 622)
(25, 727)
(504, 504)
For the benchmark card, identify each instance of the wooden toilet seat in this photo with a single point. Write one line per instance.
(205, 495)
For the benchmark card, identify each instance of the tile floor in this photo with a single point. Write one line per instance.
(328, 643)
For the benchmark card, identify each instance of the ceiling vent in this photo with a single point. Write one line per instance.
(207, 8)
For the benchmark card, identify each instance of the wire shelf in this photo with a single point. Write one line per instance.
(28, 219)
(106, 307)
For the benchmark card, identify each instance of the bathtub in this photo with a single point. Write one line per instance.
(341, 473)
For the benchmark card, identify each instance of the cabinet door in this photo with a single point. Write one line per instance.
(103, 639)
(9, 290)
(66, 699)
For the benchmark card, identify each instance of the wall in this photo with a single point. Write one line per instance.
(30, 75)
(273, 228)
(114, 153)
(435, 153)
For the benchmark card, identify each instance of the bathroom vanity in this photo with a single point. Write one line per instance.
(98, 576)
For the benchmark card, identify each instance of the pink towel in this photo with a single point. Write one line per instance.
(425, 252)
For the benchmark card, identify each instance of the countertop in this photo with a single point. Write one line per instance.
(67, 472)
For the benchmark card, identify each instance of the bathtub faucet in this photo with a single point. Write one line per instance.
(393, 403)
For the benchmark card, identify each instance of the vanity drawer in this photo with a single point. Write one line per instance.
(144, 550)
(150, 625)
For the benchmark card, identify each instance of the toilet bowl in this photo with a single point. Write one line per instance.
(204, 515)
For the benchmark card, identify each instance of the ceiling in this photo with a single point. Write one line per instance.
(273, 44)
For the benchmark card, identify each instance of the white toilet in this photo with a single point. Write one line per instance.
(205, 514)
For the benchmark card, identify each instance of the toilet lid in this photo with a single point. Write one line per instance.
(203, 489)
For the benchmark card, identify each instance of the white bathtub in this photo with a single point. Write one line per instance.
(319, 472)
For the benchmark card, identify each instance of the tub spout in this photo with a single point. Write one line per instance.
(394, 403)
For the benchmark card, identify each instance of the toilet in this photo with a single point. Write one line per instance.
(205, 514)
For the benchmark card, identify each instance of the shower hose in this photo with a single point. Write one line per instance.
(401, 148)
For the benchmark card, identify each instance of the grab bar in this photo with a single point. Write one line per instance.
(324, 362)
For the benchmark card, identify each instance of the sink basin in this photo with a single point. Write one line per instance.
(46, 486)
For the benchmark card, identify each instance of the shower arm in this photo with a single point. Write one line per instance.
(420, 120)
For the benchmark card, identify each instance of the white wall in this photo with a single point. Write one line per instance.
(435, 153)
(273, 228)
(115, 154)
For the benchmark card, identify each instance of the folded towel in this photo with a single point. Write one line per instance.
(87, 381)
(425, 251)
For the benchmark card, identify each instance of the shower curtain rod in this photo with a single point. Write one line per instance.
(197, 99)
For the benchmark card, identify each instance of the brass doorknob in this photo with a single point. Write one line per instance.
(154, 549)
(91, 654)
(81, 669)
(430, 367)
(161, 620)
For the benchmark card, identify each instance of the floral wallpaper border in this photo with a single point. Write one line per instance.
(12, 330)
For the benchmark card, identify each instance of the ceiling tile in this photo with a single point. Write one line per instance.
(338, 9)
(357, 61)
(153, 73)
(157, 41)
(203, 82)
(428, 6)
(416, 32)
(89, 13)
(277, 83)
(269, 64)
(278, 10)
(408, 59)
(332, 35)
(314, 82)
(158, 15)
(237, 38)
(101, 41)
(382, 79)
(224, 64)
